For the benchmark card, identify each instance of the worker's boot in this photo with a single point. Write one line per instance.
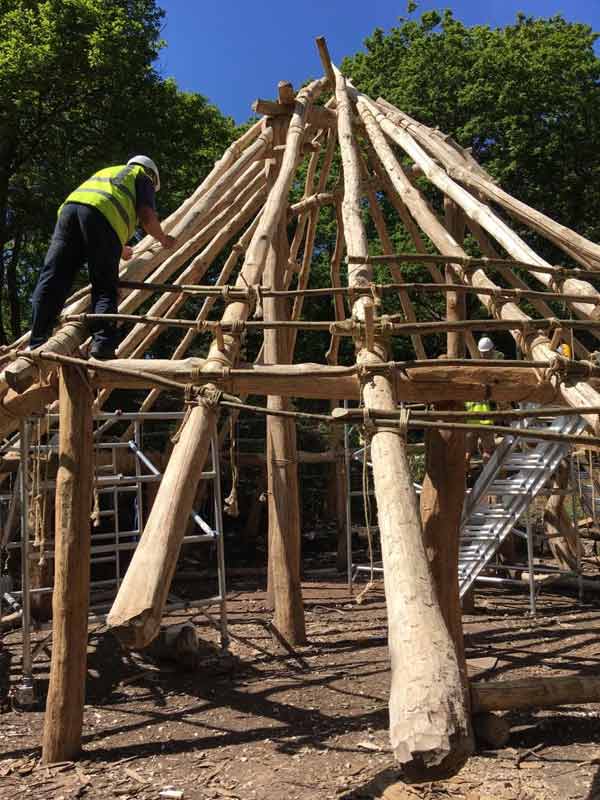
(102, 352)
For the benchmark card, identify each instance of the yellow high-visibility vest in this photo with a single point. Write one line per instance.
(112, 192)
(478, 405)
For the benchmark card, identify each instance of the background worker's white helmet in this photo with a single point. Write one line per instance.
(147, 163)
(485, 344)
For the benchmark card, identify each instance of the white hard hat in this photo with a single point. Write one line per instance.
(147, 163)
(485, 344)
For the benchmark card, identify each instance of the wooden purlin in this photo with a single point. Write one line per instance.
(488, 249)
(578, 394)
(435, 727)
(476, 178)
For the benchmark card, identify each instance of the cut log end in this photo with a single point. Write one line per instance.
(438, 763)
(430, 750)
(491, 729)
(136, 633)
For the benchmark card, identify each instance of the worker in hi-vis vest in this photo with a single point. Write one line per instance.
(480, 441)
(94, 225)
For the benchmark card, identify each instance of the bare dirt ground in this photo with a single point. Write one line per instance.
(259, 723)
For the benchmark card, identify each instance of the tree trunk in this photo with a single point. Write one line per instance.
(12, 287)
(66, 692)
(429, 723)
(441, 508)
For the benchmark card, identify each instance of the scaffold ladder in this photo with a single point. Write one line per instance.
(512, 478)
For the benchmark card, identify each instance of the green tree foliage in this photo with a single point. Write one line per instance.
(525, 98)
(78, 91)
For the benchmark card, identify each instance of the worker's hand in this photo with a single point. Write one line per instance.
(168, 242)
(127, 252)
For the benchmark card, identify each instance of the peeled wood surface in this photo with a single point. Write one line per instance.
(284, 535)
(437, 384)
(318, 381)
(138, 607)
(525, 693)
(66, 691)
(428, 719)
(472, 175)
(575, 394)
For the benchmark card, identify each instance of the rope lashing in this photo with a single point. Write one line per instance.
(403, 420)
(230, 504)
(258, 302)
(386, 325)
(377, 294)
(226, 294)
(208, 396)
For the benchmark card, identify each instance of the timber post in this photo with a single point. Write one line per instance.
(66, 693)
(284, 536)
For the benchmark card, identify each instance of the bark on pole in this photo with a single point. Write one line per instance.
(429, 724)
(558, 524)
(445, 481)
(66, 691)
(282, 459)
(441, 508)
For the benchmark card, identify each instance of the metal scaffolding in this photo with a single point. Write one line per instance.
(582, 485)
(118, 523)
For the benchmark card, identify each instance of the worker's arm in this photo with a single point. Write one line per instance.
(151, 224)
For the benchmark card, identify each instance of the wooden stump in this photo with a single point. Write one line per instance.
(66, 693)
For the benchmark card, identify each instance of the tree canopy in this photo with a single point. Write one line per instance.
(525, 98)
(79, 90)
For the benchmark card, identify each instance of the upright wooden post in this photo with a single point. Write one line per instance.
(441, 508)
(66, 693)
(282, 458)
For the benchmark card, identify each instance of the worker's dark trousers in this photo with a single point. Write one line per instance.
(82, 234)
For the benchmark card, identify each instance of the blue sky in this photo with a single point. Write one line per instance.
(233, 51)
